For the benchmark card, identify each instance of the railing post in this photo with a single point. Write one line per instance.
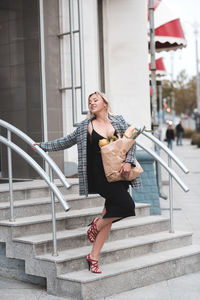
(171, 198)
(10, 177)
(55, 253)
(159, 176)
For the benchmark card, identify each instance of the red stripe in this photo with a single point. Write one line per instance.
(172, 28)
(159, 65)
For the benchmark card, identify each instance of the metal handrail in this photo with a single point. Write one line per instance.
(53, 167)
(166, 149)
(37, 167)
(31, 142)
(167, 168)
(54, 190)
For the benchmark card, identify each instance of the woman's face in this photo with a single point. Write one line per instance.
(96, 104)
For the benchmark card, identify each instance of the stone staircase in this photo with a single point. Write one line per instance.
(138, 252)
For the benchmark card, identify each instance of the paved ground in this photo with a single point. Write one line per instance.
(186, 217)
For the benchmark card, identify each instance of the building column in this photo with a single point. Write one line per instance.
(126, 59)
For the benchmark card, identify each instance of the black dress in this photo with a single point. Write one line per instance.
(118, 202)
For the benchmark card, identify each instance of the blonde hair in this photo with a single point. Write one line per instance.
(106, 101)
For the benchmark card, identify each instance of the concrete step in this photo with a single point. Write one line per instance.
(39, 206)
(126, 275)
(75, 259)
(31, 225)
(75, 238)
(35, 189)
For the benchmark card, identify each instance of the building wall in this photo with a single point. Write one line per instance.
(115, 52)
(126, 59)
(53, 76)
(20, 71)
(20, 94)
(124, 53)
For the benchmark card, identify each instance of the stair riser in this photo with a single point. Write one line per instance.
(67, 223)
(116, 234)
(46, 227)
(45, 208)
(124, 254)
(142, 211)
(143, 229)
(126, 281)
(36, 193)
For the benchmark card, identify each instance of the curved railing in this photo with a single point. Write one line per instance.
(48, 178)
(53, 167)
(30, 142)
(167, 150)
(168, 168)
(37, 168)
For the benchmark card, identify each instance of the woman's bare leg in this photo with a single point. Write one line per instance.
(103, 222)
(100, 240)
(103, 226)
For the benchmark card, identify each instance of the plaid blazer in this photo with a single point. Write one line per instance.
(79, 137)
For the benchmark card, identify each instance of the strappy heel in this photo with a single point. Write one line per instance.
(92, 231)
(93, 265)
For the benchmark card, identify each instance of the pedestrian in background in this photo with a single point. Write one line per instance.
(179, 133)
(170, 136)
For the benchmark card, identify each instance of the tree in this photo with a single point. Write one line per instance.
(185, 94)
(167, 89)
(184, 90)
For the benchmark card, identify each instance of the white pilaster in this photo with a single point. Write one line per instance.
(126, 59)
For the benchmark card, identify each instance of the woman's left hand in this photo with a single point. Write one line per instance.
(125, 170)
(35, 144)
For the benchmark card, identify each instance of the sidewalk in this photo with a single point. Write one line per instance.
(186, 217)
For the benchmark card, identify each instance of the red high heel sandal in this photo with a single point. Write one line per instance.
(92, 231)
(93, 265)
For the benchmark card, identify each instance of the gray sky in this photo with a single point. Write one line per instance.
(189, 13)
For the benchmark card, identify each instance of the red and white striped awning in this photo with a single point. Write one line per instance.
(169, 34)
(160, 67)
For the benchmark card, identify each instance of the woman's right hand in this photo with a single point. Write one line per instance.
(35, 144)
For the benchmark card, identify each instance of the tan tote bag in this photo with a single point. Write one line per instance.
(114, 156)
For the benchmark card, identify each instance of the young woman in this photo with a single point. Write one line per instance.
(118, 202)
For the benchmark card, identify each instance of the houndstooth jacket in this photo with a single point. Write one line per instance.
(79, 137)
